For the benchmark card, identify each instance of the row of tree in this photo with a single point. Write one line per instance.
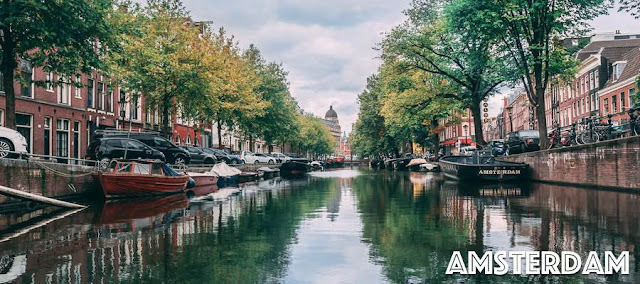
(155, 50)
(451, 55)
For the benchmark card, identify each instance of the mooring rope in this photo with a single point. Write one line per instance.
(59, 172)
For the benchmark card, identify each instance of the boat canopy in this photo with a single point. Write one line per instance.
(224, 170)
(416, 162)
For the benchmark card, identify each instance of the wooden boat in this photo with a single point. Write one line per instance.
(140, 177)
(125, 210)
(227, 175)
(421, 165)
(483, 168)
(295, 167)
(204, 179)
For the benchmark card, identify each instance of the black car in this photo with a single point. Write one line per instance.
(173, 153)
(198, 156)
(106, 149)
(222, 156)
(522, 141)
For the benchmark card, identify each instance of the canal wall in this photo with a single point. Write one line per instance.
(47, 179)
(613, 164)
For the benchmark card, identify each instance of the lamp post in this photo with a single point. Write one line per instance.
(465, 132)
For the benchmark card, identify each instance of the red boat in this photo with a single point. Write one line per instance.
(140, 177)
(204, 179)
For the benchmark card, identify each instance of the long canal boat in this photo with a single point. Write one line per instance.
(139, 178)
(483, 168)
(295, 167)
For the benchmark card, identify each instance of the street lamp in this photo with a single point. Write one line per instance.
(465, 133)
(509, 110)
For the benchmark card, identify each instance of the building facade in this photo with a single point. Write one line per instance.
(457, 132)
(331, 121)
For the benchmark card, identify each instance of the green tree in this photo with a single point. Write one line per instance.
(278, 123)
(527, 29)
(447, 38)
(370, 136)
(314, 137)
(65, 37)
(162, 58)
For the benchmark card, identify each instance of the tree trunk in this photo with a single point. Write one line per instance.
(542, 118)
(165, 117)
(8, 67)
(435, 137)
(219, 133)
(477, 121)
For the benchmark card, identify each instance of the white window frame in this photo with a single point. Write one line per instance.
(64, 91)
(78, 90)
(49, 82)
(1, 117)
(68, 131)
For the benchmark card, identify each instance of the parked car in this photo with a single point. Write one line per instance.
(280, 158)
(12, 141)
(106, 149)
(172, 153)
(522, 141)
(199, 156)
(468, 150)
(251, 158)
(222, 156)
(497, 147)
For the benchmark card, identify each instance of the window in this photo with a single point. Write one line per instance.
(62, 139)
(177, 140)
(26, 72)
(606, 106)
(135, 107)
(1, 117)
(622, 102)
(188, 140)
(100, 95)
(1, 83)
(90, 93)
(76, 139)
(593, 102)
(77, 87)
(24, 125)
(108, 100)
(632, 99)
(64, 91)
(49, 82)
(593, 83)
(135, 145)
(47, 136)
(581, 85)
(614, 104)
(597, 78)
(161, 142)
(618, 67)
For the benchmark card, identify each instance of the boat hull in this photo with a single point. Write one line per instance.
(114, 185)
(227, 181)
(294, 168)
(205, 180)
(501, 172)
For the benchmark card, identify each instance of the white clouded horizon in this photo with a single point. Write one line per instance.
(327, 46)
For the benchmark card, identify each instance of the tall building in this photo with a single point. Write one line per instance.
(331, 121)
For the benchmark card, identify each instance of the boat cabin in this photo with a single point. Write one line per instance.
(140, 167)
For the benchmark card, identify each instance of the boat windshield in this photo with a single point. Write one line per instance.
(123, 167)
(142, 169)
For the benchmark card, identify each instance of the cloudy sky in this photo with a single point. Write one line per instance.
(326, 45)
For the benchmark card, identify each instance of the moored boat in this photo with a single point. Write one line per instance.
(483, 168)
(269, 172)
(140, 177)
(295, 167)
(204, 179)
(248, 176)
(421, 165)
(227, 175)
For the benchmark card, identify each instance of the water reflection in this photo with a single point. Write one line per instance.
(337, 226)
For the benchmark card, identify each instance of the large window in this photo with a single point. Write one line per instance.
(24, 125)
(47, 136)
(1, 117)
(606, 106)
(77, 87)
(26, 72)
(90, 93)
(49, 82)
(108, 99)
(135, 107)
(614, 104)
(632, 99)
(100, 95)
(623, 102)
(62, 138)
(64, 91)
(76, 139)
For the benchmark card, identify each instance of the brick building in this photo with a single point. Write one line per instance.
(518, 112)
(456, 132)
(619, 90)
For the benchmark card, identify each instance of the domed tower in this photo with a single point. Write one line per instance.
(331, 115)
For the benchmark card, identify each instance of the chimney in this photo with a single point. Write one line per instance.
(617, 32)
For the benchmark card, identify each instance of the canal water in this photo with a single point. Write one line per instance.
(343, 226)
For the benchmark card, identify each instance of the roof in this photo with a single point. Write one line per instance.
(595, 46)
(331, 113)
(632, 57)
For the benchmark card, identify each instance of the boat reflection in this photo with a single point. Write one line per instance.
(500, 190)
(127, 210)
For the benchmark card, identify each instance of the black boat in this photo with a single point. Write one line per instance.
(483, 168)
(295, 167)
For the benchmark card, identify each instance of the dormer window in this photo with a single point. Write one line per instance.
(618, 67)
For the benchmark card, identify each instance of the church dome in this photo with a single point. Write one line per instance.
(330, 113)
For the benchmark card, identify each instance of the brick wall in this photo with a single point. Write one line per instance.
(609, 164)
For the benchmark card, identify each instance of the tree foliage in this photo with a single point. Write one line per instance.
(60, 36)
(314, 137)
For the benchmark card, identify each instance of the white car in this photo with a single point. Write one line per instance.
(13, 141)
(251, 158)
(282, 157)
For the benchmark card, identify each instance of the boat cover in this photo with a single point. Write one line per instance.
(416, 162)
(224, 170)
(266, 170)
